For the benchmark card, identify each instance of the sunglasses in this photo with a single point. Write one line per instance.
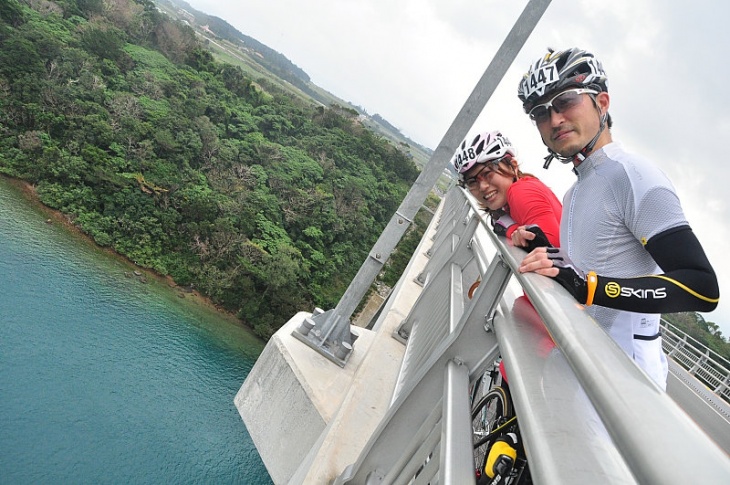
(562, 102)
(484, 175)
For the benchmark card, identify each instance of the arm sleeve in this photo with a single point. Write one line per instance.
(688, 283)
(531, 204)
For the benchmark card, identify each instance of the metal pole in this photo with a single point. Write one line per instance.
(457, 454)
(416, 196)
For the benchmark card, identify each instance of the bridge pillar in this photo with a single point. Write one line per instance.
(290, 396)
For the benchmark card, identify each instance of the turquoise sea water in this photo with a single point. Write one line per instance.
(105, 379)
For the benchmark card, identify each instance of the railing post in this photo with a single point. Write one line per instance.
(678, 347)
(701, 358)
(720, 389)
(457, 462)
(446, 242)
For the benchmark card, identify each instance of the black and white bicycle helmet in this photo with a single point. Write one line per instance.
(557, 71)
(491, 146)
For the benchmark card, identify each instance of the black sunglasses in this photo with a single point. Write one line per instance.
(560, 103)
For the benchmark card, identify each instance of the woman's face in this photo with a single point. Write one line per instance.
(488, 185)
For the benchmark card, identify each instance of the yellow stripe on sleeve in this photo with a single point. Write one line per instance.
(687, 289)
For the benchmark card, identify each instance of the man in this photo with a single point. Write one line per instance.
(628, 252)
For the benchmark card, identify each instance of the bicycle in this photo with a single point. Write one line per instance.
(498, 454)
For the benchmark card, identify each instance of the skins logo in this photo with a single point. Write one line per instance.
(614, 290)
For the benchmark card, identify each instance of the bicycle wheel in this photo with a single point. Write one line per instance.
(484, 384)
(488, 416)
(477, 390)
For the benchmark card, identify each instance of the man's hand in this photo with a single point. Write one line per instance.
(538, 262)
(555, 263)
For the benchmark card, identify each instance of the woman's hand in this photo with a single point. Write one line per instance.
(530, 237)
(521, 237)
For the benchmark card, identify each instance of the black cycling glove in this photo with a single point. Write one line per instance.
(540, 241)
(571, 277)
(501, 224)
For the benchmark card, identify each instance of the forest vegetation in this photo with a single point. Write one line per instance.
(121, 120)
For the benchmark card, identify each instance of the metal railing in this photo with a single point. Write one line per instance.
(705, 364)
(587, 413)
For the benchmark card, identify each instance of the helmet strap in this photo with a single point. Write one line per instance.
(589, 147)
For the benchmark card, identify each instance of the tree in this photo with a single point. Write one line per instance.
(11, 13)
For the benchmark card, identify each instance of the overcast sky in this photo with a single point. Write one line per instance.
(415, 62)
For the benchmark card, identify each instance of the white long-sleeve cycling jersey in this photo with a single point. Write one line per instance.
(618, 203)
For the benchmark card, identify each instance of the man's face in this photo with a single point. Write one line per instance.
(569, 120)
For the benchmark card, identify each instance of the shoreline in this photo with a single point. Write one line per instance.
(57, 217)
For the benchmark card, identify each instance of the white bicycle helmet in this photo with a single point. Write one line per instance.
(556, 71)
(490, 146)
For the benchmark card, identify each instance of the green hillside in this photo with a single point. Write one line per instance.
(225, 180)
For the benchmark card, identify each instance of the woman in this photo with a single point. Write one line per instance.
(488, 168)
